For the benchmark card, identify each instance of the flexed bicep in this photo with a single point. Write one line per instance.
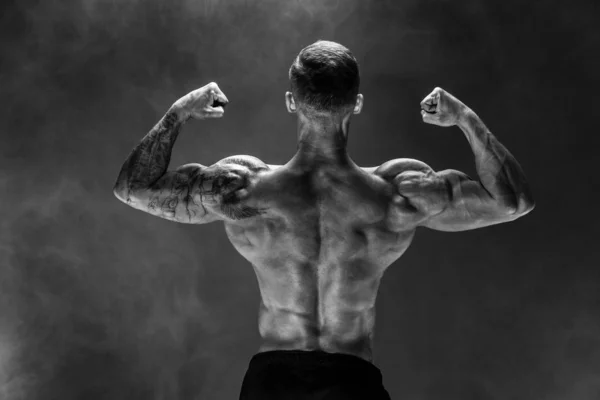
(196, 194)
(170, 197)
(501, 192)
(447, 200)
(461, 203)
(222, 190)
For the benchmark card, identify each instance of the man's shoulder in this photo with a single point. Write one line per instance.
(391, 168)
(253, 163)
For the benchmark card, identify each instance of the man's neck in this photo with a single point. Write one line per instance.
(322, 139)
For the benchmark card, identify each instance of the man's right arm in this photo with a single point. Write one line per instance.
(450, 200)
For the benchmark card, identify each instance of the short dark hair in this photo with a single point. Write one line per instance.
(325, 77)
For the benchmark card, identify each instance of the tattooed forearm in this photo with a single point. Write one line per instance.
(150, 159)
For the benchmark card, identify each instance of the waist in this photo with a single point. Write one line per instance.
(323, 359)
(361, 348)
(337, 331)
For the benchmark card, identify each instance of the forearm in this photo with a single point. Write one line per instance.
(150, 159)
(499, 172)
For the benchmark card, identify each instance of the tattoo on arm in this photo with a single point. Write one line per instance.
(150, 159)
(189, 193)
(192, 192)
(237, 212)
(219, 188)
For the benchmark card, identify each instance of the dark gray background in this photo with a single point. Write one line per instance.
(99, 301)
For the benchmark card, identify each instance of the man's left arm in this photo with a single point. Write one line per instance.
(187, 193)
(500, 194)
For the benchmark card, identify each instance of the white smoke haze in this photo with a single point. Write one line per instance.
(70, 306)
(100, 301)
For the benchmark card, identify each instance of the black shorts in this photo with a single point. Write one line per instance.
(311, 375)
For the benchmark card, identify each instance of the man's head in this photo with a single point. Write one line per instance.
(324, 79)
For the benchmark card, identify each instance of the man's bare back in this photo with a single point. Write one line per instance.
(320, 231)
(319, 252)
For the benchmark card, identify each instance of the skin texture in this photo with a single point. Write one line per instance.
(320, 231)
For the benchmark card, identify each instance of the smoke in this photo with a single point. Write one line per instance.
(88, 308)
(100, 301)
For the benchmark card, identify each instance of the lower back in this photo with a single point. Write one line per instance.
(286, 330)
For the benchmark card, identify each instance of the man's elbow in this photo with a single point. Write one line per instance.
(119, 194)
(523, 205)
(120, 191)
(514, 206)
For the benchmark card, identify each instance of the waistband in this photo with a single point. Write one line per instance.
(317, 360)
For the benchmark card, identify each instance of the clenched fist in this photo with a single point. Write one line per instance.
(441, 108)
(203, 103)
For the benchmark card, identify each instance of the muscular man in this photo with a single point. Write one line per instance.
(320, 231)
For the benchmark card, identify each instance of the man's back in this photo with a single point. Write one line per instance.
(320, 231)
(319, 251)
